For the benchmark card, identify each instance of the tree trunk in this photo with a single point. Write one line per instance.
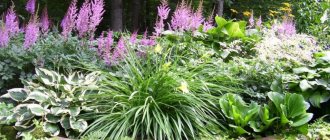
(136, 8)
(117, 15)
(220, 7)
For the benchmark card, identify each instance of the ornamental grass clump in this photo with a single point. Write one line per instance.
(145, 98)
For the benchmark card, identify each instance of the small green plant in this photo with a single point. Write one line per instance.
(55, 100)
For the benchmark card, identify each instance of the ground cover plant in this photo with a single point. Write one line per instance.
(190, 77)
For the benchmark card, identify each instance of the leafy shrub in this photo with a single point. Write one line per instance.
(320, 129)
(313, 17)
(56, 99)
(51, 52)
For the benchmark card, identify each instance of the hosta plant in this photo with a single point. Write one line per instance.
(312, 81)
(55, 100)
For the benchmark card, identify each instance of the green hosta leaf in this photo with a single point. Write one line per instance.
(303, 70)
(239, 130)
(65, 122)
(304, 85)
(37, 110)
(17, 94)
(295, 105)
(38, 96)
(276, 98)
(234, 30)
(302, 119)
(51, 128)
(74, 111)
(221, 22)
(58, 110)
(317, 98)
(80, 125)
(52, 118)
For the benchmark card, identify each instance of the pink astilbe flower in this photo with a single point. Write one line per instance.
(107, 48)
(45, 23)
(119, 51)
(97, 8)
(133, 37)
(181, 17)
(207, 25)
(251, 21)
(147, 42)
(30, 6)
(286, 28)
(68, 22)
(259, 22)
(31, 33)
(100, 44)
(11, 22)
(82, 22)
(197, 18)
(4, 38)
(163, 11)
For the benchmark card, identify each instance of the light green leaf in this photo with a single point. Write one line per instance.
(304, 85)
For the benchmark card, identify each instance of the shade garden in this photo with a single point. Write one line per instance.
(193, 76)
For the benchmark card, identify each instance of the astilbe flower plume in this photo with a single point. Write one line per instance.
(82, 22)
(31, 33)
(163, 11)
(104, 47)
(97, 7)
(11, 22)
(4, 38)
(147, 42)
(259, 22)
(286, 28)
(208, 24)
(119, 51)
(30, 6)
(45, 22)
(68, 22)
(197, 18)
(251, 21)
(181, 17)
(133, 37)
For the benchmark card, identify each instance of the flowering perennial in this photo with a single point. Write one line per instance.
(163, 11)
(97, 12)
(83, 19)
(119, 51)
(45, 23)
(30, 6)
(31, 33)
(4, 38)
(68, 22)
(11, 22)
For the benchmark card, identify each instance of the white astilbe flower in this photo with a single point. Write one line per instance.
(297, 48)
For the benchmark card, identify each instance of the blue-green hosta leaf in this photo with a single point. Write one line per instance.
(302, 119)
(65, 122)
(17, 94)
(79, 125)
(38, 110)
(52, 118)
(51, 128)
(38, 96)
(304, 85)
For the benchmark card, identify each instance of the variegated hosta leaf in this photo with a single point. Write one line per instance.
(74, 111)
(79, 125)
(38, 96)
(65, 122)
(38, 110)
(52, 118)
(17, 94)
(58, 111)
(51, 128)
(24, 126)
